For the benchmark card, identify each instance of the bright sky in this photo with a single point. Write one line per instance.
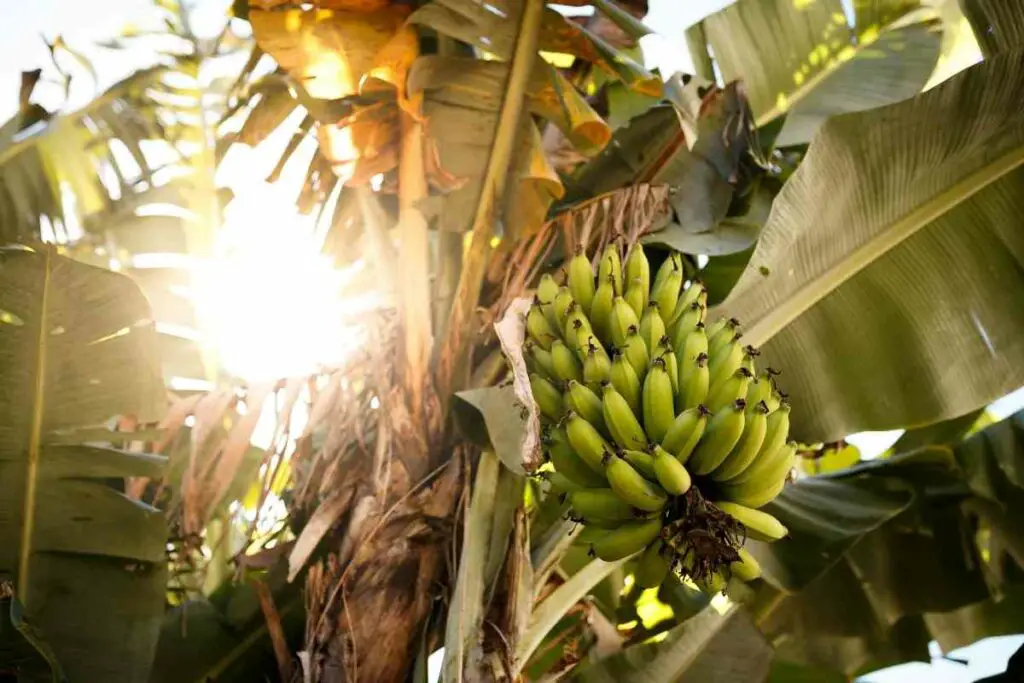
(81, 23)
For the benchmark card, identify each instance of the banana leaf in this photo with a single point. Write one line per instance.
(77, 348)
(886, 281)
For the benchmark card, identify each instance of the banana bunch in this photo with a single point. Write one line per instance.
(659, 429)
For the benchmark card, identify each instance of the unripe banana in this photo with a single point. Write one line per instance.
(760, 389)
(623, 318)
(641, 462)
(547, 289)
(635, 351)
(539, 330)
(626, 382)
(580, 278)
(600, 504)
(560, 483)
(630, 538)
(586, 441)
(538, 360)
(597, 368)
(610, 267)
(754, 428)
(776, 433)
(577, 327)
(722, 434)
(565, 363)
(721, 331)
(776, 400)
(749, 354)
(728, 390)
(548, 398)
(686, 431)
(603, 523)
(622, 423)
(565, 460)
(586, 403)
(671, 473)
(588, 534)
(665, 352)
(658, 401)
(692, 344)
(666, 294)
(652, 568)
(636, 297)
(632, 487)
(601, 310)
(672, 264)
(713, 583)
(758, 491)
(747, 568)
(652, 327)
(690, 296)
(694, 378)
(560, 307)
(638, 270)
(685, 324)
(725, 362)
(760, 526)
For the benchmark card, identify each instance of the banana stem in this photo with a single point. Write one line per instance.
(453, 358)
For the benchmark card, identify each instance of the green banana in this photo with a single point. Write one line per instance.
(548, 398)
(588, 534)
(638, 271)
(610, 267)
(671, 473)
(565, 460)
(658, 401)
(631, 486)
(685, 432)
(652, 568)
(760, 526)
(626, 382)
(601, 310)
(538, 328)
(747, 568)
(601, 504)
(693, 382)
(565, 363)
(664, 351)
(685, 323)
(560, 483)
(652, 327)
(723, 330)
(628, 539)
(622, 423)
(641, 462)
(673, 263)
(754, 428)
(636, 353)
(577, 327)
(728, 390)
(776, 433)
(597, 368)
(690, 296)
(560, 307)
(722, 434)
(760, 389)
(749, 354)
(586, 441)
(691, 345)
(547, 289)
(761, 490)
(539, 360)
(580, 278)
(725, 362)
(666, 293)
(581, 399)
(623, 318)
(713, 583)
(636, 297)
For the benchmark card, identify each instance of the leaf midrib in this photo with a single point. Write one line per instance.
(824, 284)
(35, 437)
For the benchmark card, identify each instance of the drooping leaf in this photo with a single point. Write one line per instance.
(77, 350)
(885, 280)
(812, 60)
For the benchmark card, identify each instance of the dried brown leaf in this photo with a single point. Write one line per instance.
(511, 332)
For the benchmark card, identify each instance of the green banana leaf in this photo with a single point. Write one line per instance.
(812, 60)
(77, 348)
(886, 281)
